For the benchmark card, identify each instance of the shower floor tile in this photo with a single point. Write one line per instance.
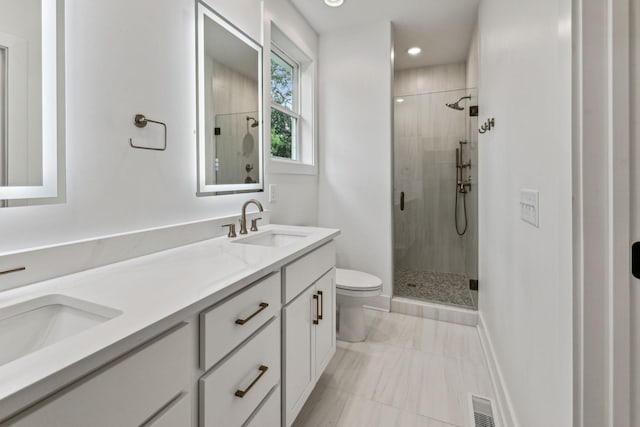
(444, 288)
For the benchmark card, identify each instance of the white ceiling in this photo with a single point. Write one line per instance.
(442, 28)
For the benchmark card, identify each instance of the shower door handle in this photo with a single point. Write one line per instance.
(402, 200)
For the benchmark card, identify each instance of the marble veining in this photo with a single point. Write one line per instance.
(411, 372)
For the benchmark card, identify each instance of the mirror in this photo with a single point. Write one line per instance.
(31, 101)
(229, 107)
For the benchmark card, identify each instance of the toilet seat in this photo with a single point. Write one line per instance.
(357, 283)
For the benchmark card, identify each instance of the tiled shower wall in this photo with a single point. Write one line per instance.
(426, 135)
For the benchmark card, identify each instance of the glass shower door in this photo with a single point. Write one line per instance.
(435, 159)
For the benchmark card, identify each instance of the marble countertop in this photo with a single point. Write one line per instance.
(147, 290)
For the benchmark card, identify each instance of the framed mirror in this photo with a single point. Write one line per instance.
(230, 149)
(31, 101)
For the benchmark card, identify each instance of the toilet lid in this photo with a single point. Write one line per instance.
(356, 280)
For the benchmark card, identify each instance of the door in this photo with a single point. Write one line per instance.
(635, 206)
(298, 352)
(325, 330)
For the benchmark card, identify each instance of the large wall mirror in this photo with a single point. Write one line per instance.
(229, 107)
(31, 101)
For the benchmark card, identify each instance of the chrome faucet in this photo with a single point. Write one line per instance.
(243, 219)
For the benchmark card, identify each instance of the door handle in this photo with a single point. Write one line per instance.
(402, 200)
(635, 260)
(321, 305)
(316, 320)
(262, 306)
(242, 393)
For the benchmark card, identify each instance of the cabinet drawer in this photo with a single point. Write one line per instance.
(177, 413)
(220, 404)
(126, 393)
(306, 270)
(227, 324)
(269, 413)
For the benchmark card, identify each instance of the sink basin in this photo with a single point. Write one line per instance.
(40, 322)
(273, 238)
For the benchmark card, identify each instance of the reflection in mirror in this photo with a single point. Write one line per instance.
(229, 107)
(31, 97)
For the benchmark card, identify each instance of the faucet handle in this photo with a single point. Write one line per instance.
(232, 230)
(254, 224)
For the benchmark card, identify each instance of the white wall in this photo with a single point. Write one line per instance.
(355, 79)
(526, 272)
(112, 188)
(297, 194)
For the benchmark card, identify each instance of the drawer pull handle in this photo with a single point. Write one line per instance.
(321, 305)
(263, 305)
(242, 393)
(316, 320)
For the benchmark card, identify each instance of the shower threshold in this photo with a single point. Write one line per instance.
(431, 286)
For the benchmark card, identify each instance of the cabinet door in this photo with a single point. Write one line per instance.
(325, 330)
(299, 353)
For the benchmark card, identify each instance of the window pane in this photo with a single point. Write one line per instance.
(283, 135)
(282, 74)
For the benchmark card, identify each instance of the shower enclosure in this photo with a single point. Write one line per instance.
(236, 148)
(436, 197)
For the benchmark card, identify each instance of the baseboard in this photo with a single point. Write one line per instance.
(380, 303)
(506, 414)
(433, 311)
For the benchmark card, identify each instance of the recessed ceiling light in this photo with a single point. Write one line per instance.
(333, 3)
(399, 100)
(413, 50)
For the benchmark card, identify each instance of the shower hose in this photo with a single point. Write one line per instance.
(462, 193)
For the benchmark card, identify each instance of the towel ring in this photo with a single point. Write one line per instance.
(141, 121)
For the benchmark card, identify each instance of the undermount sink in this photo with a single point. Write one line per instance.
(40, 322)
(273, 238)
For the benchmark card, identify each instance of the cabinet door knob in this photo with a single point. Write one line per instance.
(263, 305)
(242, 393)
(316, 320)
(321, 305)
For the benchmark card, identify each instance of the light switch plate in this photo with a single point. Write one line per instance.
(272, 193)
(529, 206)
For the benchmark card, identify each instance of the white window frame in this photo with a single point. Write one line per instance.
(295, 111)
(305, 56)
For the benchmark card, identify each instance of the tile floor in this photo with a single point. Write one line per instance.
(444, 288)
(411, 372)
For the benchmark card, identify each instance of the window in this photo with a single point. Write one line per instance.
(285, 105)
(292, 105)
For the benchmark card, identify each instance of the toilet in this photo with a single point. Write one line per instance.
(352, 287)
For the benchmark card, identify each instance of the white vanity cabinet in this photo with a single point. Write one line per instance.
(249, 358)
(309, 331)
(144, 387)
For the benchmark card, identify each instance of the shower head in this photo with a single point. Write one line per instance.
(255, 122)
(456, 105)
